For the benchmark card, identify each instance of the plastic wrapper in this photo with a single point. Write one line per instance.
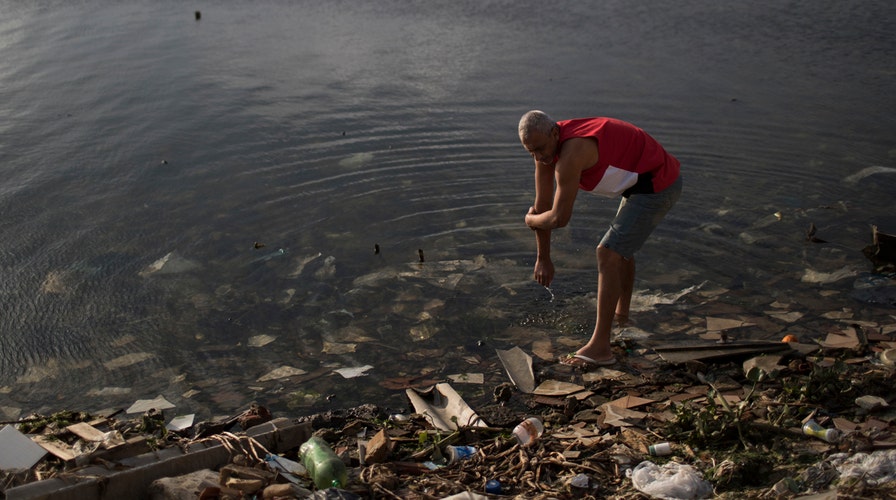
(874, 468)
(671, 481)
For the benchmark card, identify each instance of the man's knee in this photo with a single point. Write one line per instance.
(608, 257)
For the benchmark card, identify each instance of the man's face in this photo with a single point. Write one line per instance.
(542, 147)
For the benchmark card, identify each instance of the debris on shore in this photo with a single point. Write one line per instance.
(795, 420)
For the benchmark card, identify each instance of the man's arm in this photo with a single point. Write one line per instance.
(544, 196)
(577, 155)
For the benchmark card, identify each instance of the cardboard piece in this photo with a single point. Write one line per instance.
(57, 448)
(630, 402)
(557, 388)
(467, 378)
(604, 373)
(621, 417)
(767, 363)
(444, 407)
(17, 451)
(846, 340)
(720, 324)
(518, 365)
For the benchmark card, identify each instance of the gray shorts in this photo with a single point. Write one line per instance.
(636, 218)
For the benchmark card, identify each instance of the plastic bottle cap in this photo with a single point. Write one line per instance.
(493, 486)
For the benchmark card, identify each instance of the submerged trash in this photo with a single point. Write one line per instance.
(171, 263)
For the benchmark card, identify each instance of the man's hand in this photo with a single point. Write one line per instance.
(544, 272)
(530, 218)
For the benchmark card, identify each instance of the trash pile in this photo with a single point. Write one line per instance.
(735, 419)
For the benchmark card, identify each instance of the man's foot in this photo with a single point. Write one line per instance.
(621, 320)
(586, 363)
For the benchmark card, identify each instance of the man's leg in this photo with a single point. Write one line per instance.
(612, 270)
(628, 287)
(636, 218)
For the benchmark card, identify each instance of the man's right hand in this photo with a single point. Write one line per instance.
(544, 272)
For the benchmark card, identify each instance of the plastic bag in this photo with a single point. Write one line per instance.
(672, 481)
(874, 468)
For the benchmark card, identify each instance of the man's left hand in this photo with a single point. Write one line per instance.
(530, 218)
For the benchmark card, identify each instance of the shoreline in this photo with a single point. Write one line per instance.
(736, 421)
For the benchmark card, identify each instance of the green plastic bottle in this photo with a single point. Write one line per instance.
(325, 468)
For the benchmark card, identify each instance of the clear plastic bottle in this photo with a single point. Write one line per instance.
(528, 431)
(325, 468)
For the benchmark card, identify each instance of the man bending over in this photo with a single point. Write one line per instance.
(610, 158)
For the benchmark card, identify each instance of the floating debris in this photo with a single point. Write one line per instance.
(128, 360)
(281, 373)
(358, 371)
(171, 263)
(356, 160)
(260, 340)
(467, 378)
(145, 405)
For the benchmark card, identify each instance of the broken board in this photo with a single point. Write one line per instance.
(682, 352)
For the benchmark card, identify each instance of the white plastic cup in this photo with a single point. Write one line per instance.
(660, 449)
(528, 431)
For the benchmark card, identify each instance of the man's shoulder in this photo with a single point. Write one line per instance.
(579, 153)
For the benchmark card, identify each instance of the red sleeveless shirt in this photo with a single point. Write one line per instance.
(626, 155)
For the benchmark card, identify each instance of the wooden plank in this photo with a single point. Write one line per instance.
(55, 447)
(86, 431)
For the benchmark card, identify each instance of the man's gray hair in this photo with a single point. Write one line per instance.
(535, 120)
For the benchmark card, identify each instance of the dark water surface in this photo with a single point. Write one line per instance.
(144, 153)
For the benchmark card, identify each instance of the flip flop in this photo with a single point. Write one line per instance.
(583, 361)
